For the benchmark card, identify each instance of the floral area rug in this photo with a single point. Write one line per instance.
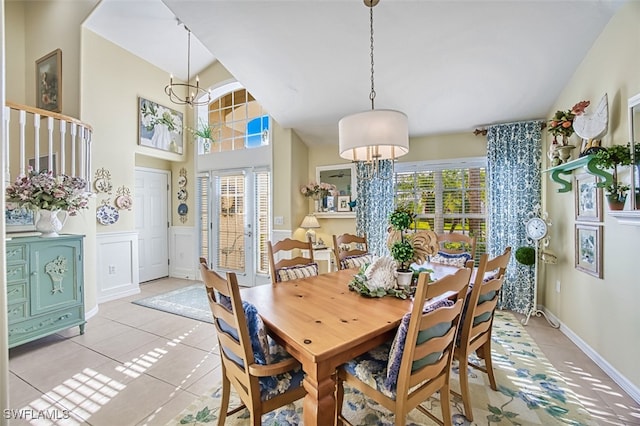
(190, 302)
(530, 392)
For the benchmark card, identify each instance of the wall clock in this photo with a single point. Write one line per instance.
(537, 228)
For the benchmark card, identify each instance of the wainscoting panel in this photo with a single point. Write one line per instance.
(117, 265)
(183, 244)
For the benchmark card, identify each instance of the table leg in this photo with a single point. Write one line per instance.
(319, 404)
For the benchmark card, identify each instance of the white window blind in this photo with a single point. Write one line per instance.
(446, 197)
(203, 206)
(263, 213)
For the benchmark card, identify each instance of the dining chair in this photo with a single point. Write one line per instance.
(286, 269)
(454, 249)
(262, 373)
(401, 374)
(477, 322)
(351, 251)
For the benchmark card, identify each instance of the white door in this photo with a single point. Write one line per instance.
(152, 223)
(241, 211)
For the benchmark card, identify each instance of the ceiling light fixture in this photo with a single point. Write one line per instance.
(374, 135)
(194, 95)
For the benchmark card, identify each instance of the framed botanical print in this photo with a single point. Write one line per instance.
(49, 81)
(588, 198)
(589, 249)
(160, 126)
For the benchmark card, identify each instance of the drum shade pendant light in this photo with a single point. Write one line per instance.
(193, 95)
(374, 135)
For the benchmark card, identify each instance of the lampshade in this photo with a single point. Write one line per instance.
(379, 134)
(309, 221)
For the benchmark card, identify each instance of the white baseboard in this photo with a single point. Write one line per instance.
(91, 313)
(632, 390)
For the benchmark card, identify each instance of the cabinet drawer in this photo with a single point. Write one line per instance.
(17, 312)
(16, 252)
(16, 272)
(17, 292)
(43, 325)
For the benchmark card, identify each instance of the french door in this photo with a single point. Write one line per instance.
(240, 218)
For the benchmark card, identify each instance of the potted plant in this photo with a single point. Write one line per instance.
(402, 251)
(526, 255)
(611, 158)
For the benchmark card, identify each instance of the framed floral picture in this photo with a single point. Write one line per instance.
(49, 81)
(159, 126)
(588, 201)
(589, 249)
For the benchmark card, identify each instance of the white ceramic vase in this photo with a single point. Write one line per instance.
(48, 222)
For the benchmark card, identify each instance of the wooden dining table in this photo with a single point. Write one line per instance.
(323, 324)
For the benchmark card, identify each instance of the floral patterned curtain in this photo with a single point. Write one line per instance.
(513, 167)
(374, 205)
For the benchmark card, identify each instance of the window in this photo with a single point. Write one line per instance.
(238, 122)
(446, 197)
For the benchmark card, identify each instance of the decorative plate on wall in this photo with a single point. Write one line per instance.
(182, 181)
(183, 209)
(107, 215)
(124, 202)
(103, 185)
(183, 195)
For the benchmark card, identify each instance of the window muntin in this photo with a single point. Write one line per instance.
(446, 198)
(238, 122)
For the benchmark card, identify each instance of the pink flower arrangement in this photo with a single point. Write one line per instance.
(43, 190)
(318, 190)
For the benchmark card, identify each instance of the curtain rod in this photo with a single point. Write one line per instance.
(484, 131)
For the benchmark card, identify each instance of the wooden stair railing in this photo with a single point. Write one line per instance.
(63, 142)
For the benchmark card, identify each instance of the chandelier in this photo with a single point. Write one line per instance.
(193, 95)
(371, 136)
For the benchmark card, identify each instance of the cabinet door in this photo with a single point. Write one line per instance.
(55, 280)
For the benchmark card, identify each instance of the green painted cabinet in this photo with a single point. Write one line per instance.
(45, 291)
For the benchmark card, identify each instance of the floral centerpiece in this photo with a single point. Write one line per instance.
(562, 122)
(318, 190)
(44, 191)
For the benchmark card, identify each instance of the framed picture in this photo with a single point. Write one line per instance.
(43, 164)
(589, 249)
(19, 219)
(159, 126)
(49, 81)
(588, 198)
(343, 203)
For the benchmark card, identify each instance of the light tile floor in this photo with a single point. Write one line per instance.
(138, 366)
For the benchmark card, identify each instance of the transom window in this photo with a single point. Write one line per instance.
(238, 122)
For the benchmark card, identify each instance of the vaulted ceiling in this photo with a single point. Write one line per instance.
(451, 66)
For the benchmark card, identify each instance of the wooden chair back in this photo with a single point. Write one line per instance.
(287, 245)
(433, 376)
(456, 243)
(425, 365)
(238, 363)
(477, 324)
(340, 241)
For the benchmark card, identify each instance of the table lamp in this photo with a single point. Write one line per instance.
(309, 223)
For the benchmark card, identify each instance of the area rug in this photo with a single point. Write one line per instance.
(190, 302)
(530, 392)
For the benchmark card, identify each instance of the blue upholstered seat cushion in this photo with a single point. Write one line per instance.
(294, 272)
(356, 261)
(265, 351)
(458, 260)
(379, 368)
